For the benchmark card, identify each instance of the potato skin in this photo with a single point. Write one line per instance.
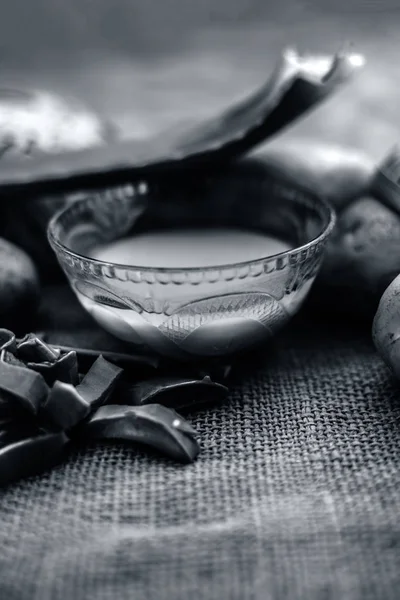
(337, 173)
(362, 257)
(363, 253)
(386, 327)
(23, 221)
(19, 287)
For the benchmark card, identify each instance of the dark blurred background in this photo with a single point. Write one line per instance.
(149, 63)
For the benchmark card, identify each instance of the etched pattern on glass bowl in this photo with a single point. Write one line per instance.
(190, 312)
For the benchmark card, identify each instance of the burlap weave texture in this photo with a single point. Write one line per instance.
(294, 496)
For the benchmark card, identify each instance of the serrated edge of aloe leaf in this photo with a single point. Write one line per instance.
(147, 408)
(110, 410)
(205, 382)
(140, 411)
(210, 382)
(189, 433)
(33, 341)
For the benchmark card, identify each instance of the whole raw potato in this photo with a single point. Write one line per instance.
(23, 221)
(362, 258)
(19, 287)
(337, 173)
(363, 254)
(386, 327)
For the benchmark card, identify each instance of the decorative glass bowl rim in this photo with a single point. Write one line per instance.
(319, 205)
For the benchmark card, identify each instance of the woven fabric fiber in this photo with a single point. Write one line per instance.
(295, 494)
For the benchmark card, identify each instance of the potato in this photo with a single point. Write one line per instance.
(337, 173)
(363, 253)
(19, 287)
(362, 257)
(386, 327)
(24, 222)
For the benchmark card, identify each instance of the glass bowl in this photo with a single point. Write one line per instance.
(195, 312)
